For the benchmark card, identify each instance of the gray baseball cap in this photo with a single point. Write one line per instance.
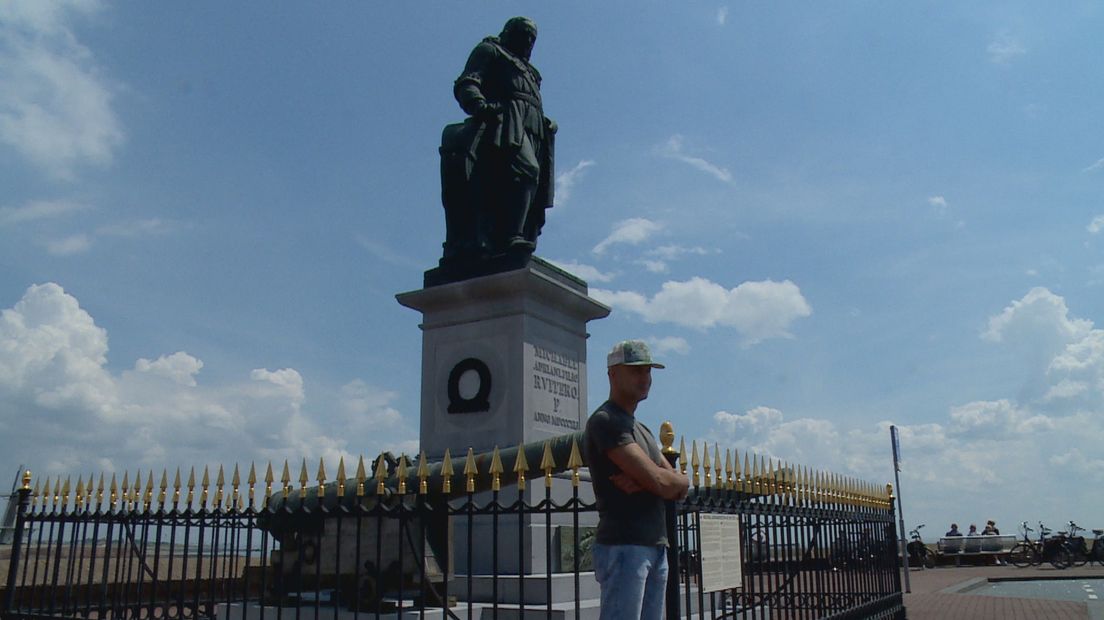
(631, 353)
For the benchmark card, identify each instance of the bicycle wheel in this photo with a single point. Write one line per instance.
(1061, 558)
(1078, 558)
(1022, 555)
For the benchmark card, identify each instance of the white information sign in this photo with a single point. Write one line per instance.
(721, 556)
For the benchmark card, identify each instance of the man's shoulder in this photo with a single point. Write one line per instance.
(609, 419)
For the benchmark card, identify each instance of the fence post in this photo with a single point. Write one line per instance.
(667, 438)
(900, 554)
(17, 541)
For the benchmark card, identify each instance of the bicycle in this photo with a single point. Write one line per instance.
(1096, 554)
(920, 555)
(1033, 553)
(1079, 552)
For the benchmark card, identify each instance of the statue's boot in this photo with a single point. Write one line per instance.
(514, 219)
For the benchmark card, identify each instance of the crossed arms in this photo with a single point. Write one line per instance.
(640, 473)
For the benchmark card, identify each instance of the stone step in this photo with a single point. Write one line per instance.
(535, 588)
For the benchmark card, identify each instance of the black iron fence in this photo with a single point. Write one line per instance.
(761, 540)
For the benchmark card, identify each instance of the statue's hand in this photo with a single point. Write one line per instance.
(551, 125)
(489, 111)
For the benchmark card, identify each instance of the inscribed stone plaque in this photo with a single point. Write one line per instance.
(721, 556)
(554, 377)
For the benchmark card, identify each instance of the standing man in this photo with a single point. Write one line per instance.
(631, 481)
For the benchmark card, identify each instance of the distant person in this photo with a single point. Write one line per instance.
(991, 529)
(973, 530)
(954, 531)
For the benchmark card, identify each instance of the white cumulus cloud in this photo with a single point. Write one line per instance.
(566, 181)
(75, 414)
(52, 356)
(584, 271)
(674, 149)
(38, 210)
(178, 367)
(632, 231)
(1004, 48)
(1039, 313)
(756, 310)
(669, 344)
(70, 245)
(1096, 225)
(56, 105)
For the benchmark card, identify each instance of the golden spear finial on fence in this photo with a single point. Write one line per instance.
(100, 492)
(79, 504)
(470, 471)
(163, 488)
(112, 499)
(706, 465)
(149, 490)
(402, 474)
(235, 485)
(695, 463)
(340, 478)
(717, 467)
(303, 480)
(520, 467)
(65, 490)
(547, 464)
(285, 480)
(124, 492)
(422, 473)
(136, 492)
(446, 473)
(191, 487)
(36, 492)
(220, 485)
(683, 460)
(574, 462)
(321, 491)
(252, 481)
(728, 469)
(734, 482)
(268, 480)
(381, 475)
(361, 476)
(205, 488)
(496, 470)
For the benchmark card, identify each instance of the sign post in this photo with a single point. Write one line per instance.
(895, 439)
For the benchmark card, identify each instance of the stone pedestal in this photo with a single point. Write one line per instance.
(503, 358)
(503, 363)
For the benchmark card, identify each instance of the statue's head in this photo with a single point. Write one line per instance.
(518, 35)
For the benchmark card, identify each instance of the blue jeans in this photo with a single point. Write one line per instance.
(633, 579)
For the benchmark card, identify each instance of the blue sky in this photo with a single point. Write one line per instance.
(827, 218)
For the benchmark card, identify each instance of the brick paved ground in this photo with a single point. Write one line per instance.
(935, 595)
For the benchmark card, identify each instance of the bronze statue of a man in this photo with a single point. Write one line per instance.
(497, 176)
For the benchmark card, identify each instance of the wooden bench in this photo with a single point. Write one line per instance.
(982, 544)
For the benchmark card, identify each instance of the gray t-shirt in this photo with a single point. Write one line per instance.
(623, 519)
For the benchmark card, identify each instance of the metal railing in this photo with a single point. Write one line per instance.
(799, 544)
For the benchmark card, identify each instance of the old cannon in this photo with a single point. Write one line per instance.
(378, 536)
